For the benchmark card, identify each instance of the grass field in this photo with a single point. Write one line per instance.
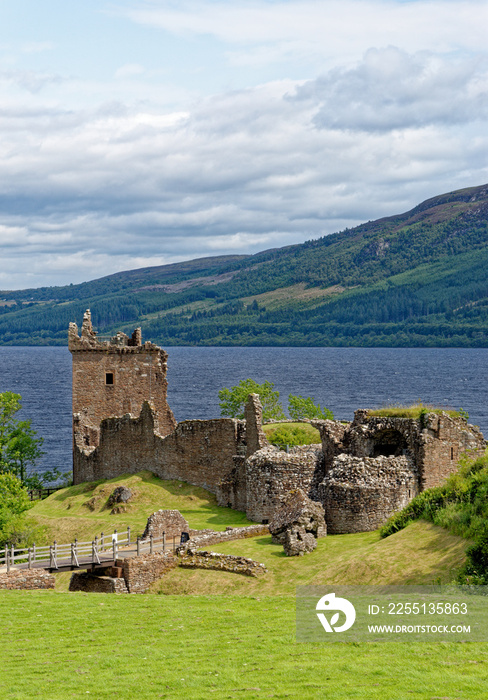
(215, 634)
(56, 646)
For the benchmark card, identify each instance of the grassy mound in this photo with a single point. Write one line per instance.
(81, 511)
(420, 554)
(282, 434)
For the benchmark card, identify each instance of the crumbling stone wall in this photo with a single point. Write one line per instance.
(360, 493)
(140, 572)
(114, 378)
(434, 443)
(253, 415)
(272, 473)
(168, 522)
(191, 559)
(26, 580)
(89, 583)
(204, 538)
(297, 511)
(200, 452)
(444, 440)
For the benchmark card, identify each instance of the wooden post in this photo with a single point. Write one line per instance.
(101, 541)
(93, 552)
(6, 554)
(12, 556)
(96, 542)
(138, 545)
(51, 556)
(151, 550)
(7, 561)
(114, 550)
(76, 545)
(72, 554)
(128, 534)
(29, 565)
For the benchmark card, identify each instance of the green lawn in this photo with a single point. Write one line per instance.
(209, 634)
(57, 646)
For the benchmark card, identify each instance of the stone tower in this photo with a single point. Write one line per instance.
(114, 377)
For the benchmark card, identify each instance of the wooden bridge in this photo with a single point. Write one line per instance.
(99, 553)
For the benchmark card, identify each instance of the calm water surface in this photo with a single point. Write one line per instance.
(342, 379)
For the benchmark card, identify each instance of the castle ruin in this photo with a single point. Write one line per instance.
(361, 472)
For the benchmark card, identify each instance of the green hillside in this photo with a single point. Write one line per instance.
(416, 279)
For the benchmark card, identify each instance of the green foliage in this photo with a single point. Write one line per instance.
(300, 407)
(288, 434)
(232, 400)
(19, 446)
(14, 501)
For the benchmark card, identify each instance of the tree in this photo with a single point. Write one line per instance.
(300, 407)
(14, 501)
(19, 446)
(232, 400)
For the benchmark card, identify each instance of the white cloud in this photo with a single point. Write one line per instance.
(326, 26)
(391, 89)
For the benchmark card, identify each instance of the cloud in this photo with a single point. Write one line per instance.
(101, 175)
(32, 81)
(391, 89)
(327, 27)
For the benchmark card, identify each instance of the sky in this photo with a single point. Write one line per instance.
(145, 132)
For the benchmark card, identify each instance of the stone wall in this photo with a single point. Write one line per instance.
(168, 522)
(253, 415)
(360, 493)
(200, 452)
(272, 473)
(114, 378)
(221, 562)
(204, 538)
(89, 583)
(140, 572)
(444, 441)
(26, 579)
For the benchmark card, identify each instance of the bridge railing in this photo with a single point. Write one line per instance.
(105, 548)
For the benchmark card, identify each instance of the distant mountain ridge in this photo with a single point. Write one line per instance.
(414, 279)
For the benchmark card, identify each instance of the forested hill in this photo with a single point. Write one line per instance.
(416, 279)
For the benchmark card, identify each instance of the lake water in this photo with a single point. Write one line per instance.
(343, 379)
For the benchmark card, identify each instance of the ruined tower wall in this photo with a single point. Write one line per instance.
(444, 440)
(360, 493)
(114, 377)
(199, 452)
(138, 375)
(271, 474)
